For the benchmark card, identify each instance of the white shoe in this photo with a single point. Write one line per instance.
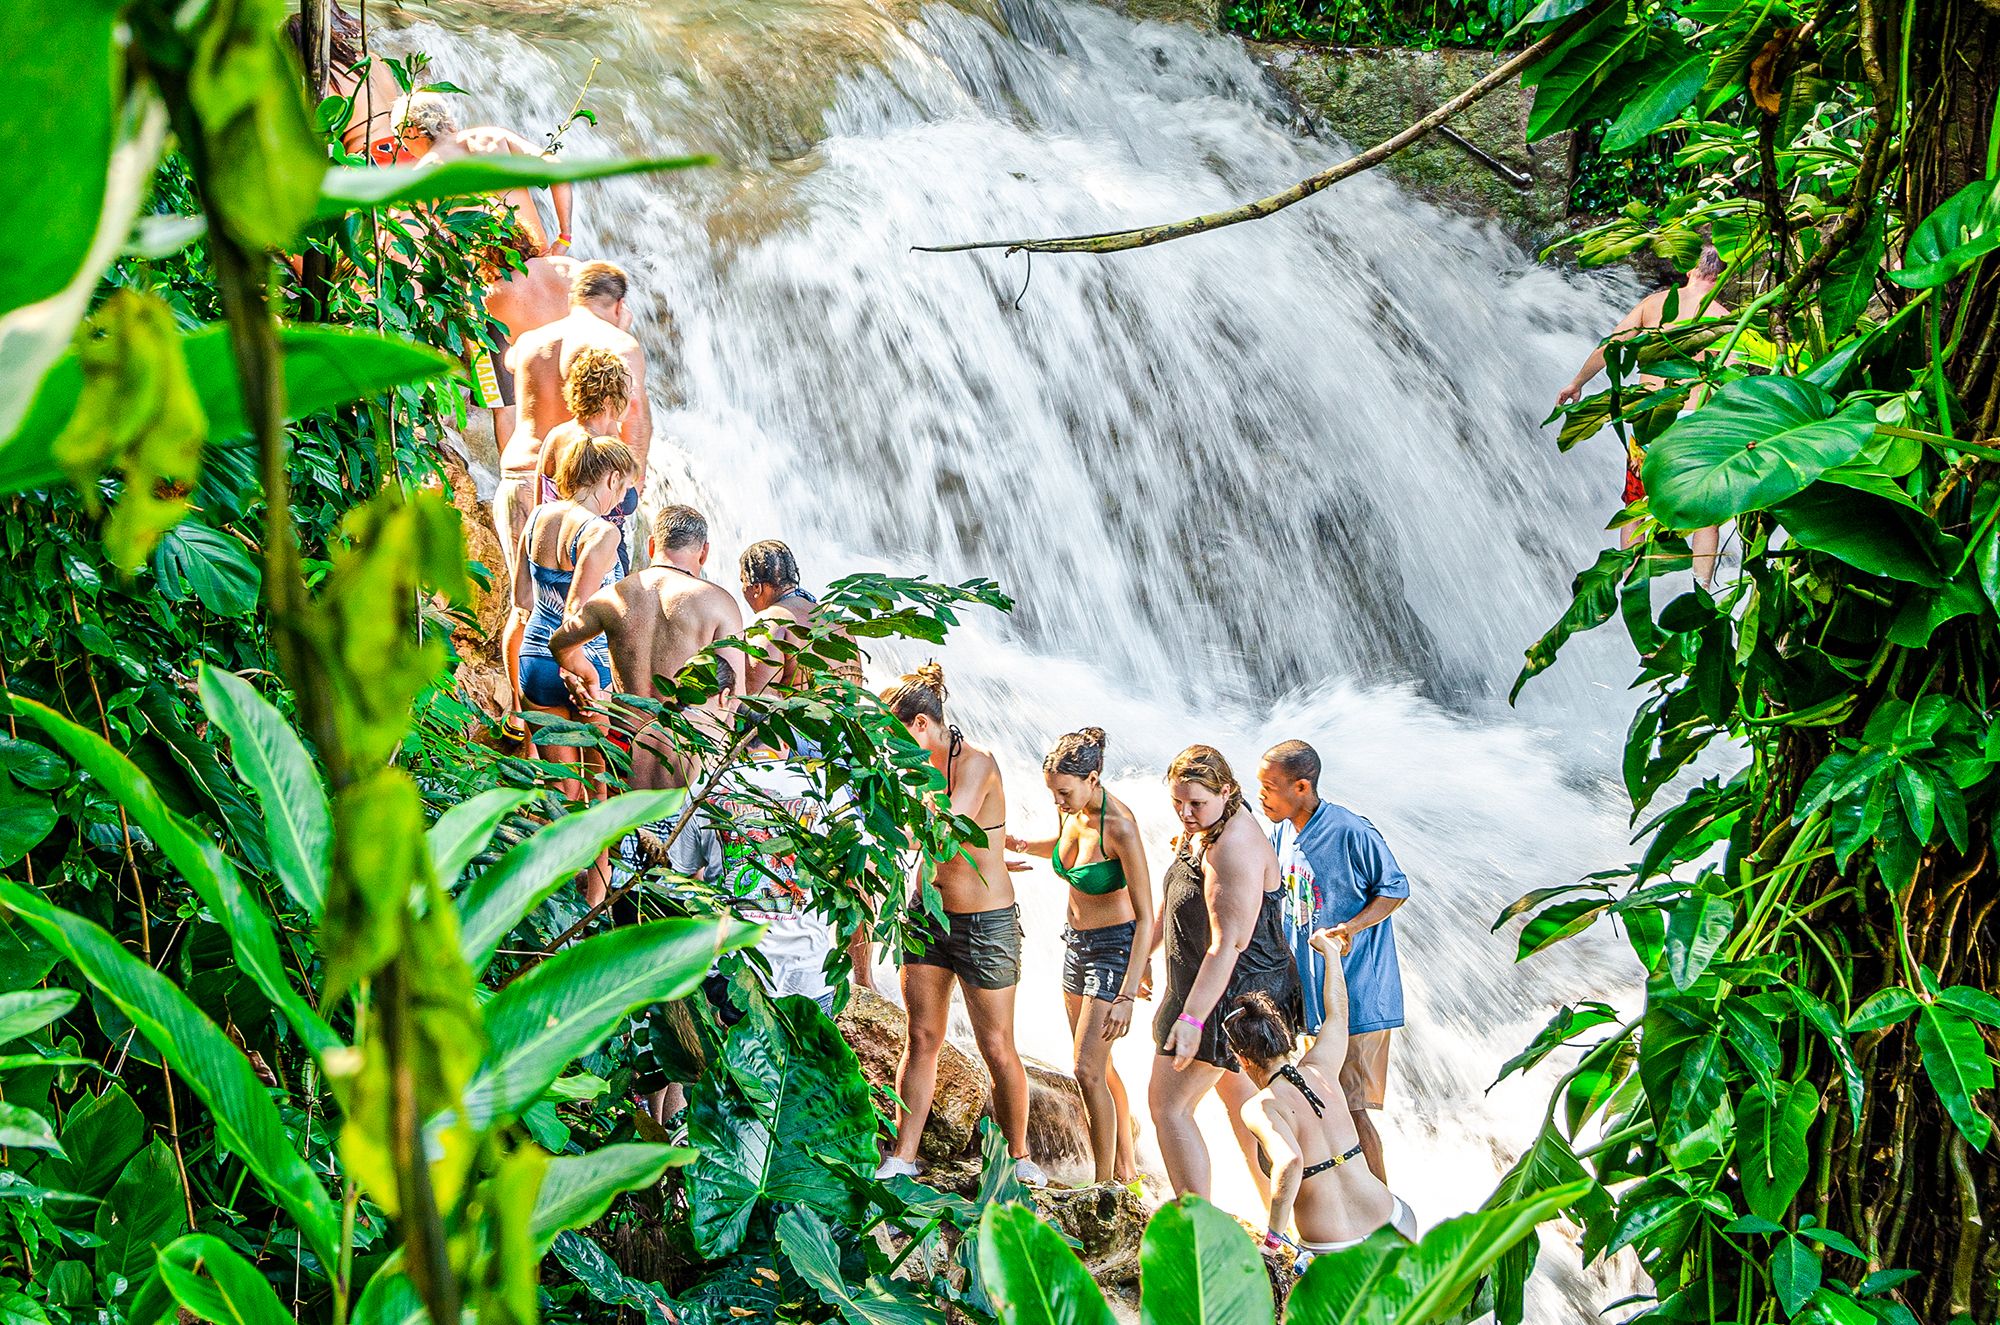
(895, 1168)
(1030, 1173)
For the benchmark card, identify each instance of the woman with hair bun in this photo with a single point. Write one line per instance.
(1097, 852)
(1315, 1184)
(1222, 915)
(978, 948)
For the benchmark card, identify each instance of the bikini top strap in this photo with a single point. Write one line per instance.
(1293, 1075)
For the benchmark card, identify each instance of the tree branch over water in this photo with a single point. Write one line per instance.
(1117, 241)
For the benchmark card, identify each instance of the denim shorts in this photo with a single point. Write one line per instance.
(542, 683)
(1095, 960)
(982, 948)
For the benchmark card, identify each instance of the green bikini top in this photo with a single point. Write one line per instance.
(1099, 876)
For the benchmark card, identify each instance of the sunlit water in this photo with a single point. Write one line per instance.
(1281, 481)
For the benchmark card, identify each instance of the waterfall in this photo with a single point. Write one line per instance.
(1283, 480)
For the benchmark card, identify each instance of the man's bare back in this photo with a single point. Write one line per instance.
(492, 140)
(541, 359)
(532, 298)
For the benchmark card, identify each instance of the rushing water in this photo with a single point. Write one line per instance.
(1284, 480)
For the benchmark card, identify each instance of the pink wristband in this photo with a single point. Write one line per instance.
(1195, 1022)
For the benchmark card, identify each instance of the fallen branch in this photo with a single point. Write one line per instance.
(1116, 241)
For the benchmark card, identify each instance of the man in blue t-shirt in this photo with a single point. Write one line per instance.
(1339, 875)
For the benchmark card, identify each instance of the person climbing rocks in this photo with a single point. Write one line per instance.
(1340, 876)
(1221, 915)
(599, 318)
(429, 134)
(1692, 300)
(977, 948)
(1316, 1187)
(1109, 938)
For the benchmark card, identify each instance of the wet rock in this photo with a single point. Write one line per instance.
(874, 1026)
(1106, 1220)
(482, 671)
(1058, 1127)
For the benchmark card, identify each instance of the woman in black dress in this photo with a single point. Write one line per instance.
(1222, 916)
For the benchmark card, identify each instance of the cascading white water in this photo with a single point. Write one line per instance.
(1284, 480)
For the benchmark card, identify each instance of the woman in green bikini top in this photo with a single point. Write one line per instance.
(1097, 852)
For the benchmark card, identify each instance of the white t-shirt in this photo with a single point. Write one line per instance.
(798, 939)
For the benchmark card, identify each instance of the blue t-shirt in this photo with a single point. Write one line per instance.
(1331, 870)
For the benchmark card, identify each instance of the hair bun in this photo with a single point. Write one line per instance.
(1093, 736)
(931, 677)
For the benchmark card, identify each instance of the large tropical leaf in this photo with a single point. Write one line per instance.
(1383, 1283)
(578, 1189)
(565, 1007)
(1772, 1146)
(27, 1010)
(808, 1244)
(349, 188)
(1867, 532)
(1593, 600)
(210, 873)
(298, 825)
(1568, 79)
(1196, 1264)
(1031, 1275)
(1757, 442)
(500, 898)
(234, 1292)
(196, 559)
(783, 1101)
(246, 1122)
(463, 831)
(1658, 102)
(145, 1210)
(1956, 1061)
(1964, 229)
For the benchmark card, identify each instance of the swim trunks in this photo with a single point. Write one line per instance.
(982, 948)
(496, 380)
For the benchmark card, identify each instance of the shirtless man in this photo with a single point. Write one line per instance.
(598, 318)
(430, 134)
(1692, 301)
(770, 575)
(520, 298)
(978, 948)
(655, 620)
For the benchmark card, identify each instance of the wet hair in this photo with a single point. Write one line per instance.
(1258, 1030)
(598, 280)
(1296, 760)
(343, 38)
(510, 240)
(725, 675)
(426, 112)
(591, 460)
(677, 527)
(598, 383)
(919, 693)
(1078, 754)
(770, 563)
(1204, 766)
(1709, 265)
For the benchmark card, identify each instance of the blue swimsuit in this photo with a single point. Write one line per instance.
(541, 678)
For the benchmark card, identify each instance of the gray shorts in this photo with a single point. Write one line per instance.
(982, 948)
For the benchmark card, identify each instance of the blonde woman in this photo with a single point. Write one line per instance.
(1222, 915)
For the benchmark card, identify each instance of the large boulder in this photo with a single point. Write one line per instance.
(1058, 1128)
(482, 671)
(1106, 1221)
(874, 1026)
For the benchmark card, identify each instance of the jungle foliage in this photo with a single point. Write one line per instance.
(1797, 1124)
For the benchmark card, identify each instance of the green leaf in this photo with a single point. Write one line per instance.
(325, 367)
(210, 873)
(1867, 532)
(234, 1292)
(1197, 1265)
(1386, 1281)
(246, 1122)
(566, 1006)
(1568, 79)
(262, 161)
(1795, 1274)
(1658, 102)
(1696, 930)
(268, 754)
(1594, 598)
(137, 414)
(27, 1010)
(464, 830)
(1885, 1007)
(1956, 1061)
(350, 188)
(145, 1210)
(1850, 279)
(24, 1129)
(808, 1244)
(1031, 1275)
(32, 765)
(100, 1135)
(1566, 1025)
(20, 1309)
(1557, 923)
(1757, 441)
(785, 1094)
(1964, 229)
(195, 558)
(577, 1190)
(1774, 1159)
(502, 897)
(1977, 1004)
(26, 819)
